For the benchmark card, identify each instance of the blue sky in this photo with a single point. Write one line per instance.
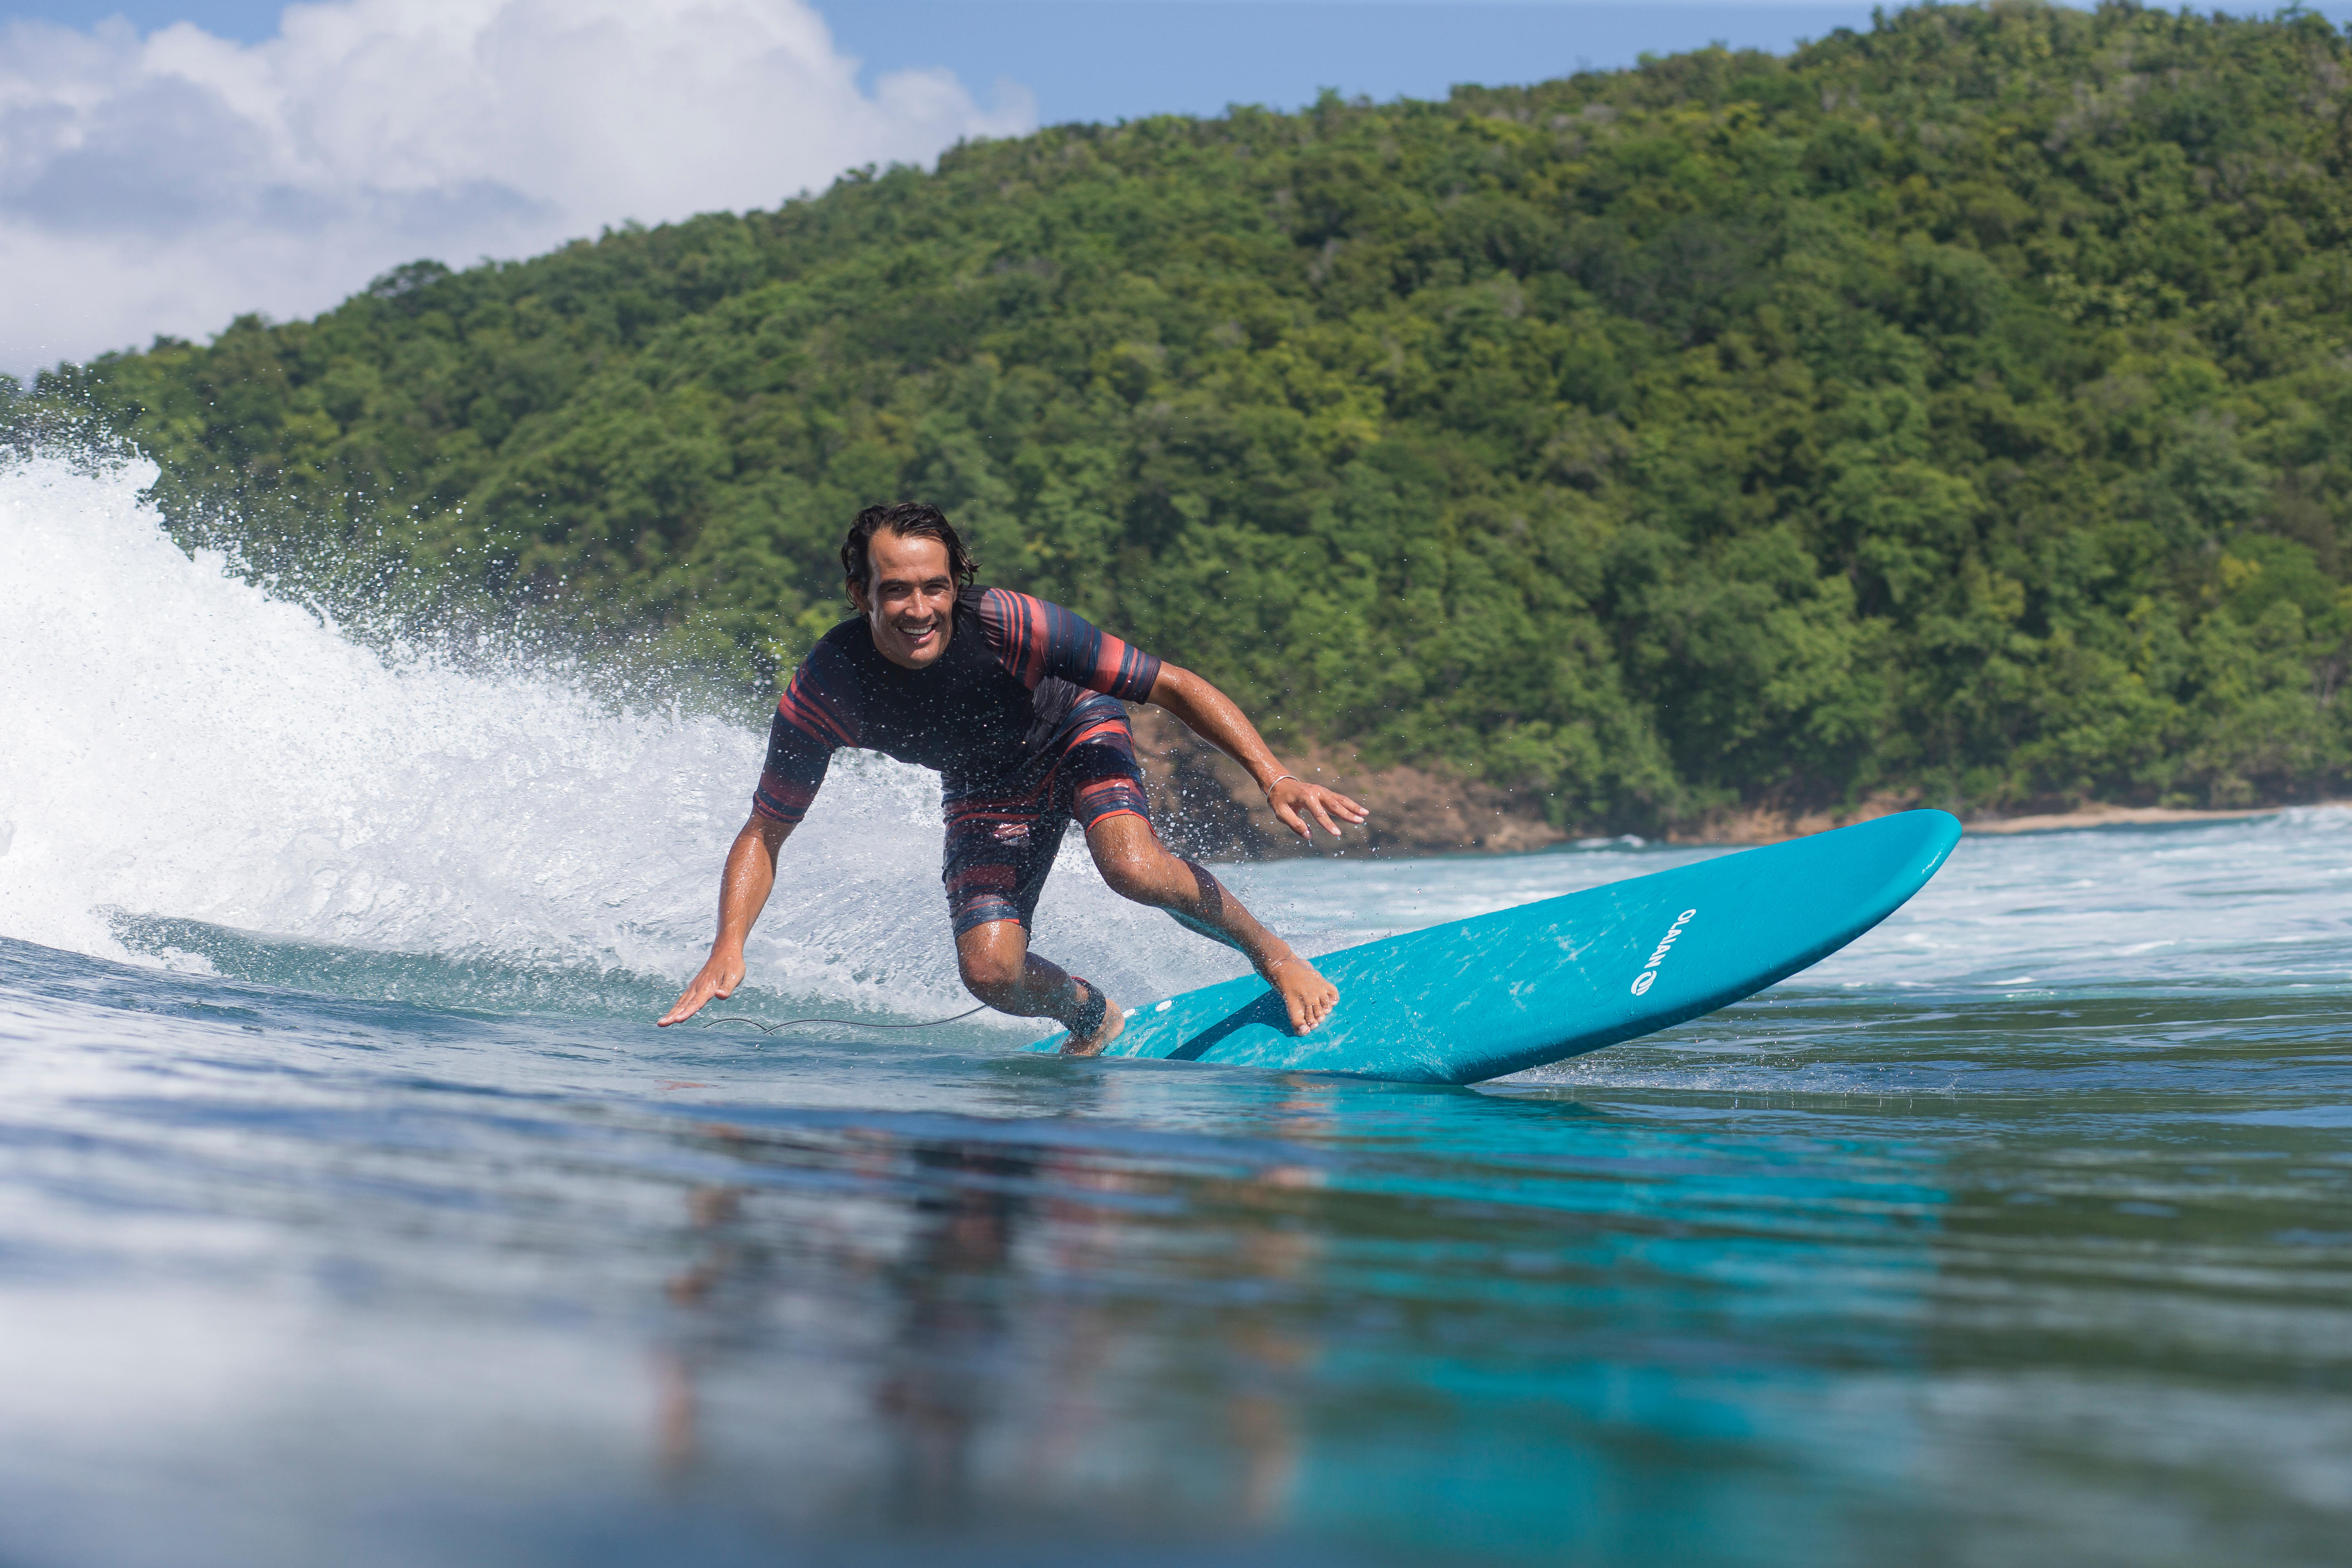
(1108, 59)
(163, 178)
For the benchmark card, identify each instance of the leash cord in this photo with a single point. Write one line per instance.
(710, 1022)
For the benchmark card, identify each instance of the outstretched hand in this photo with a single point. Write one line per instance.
(1294, 800)
(717, 982)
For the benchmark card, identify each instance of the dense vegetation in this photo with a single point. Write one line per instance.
(1954, 409)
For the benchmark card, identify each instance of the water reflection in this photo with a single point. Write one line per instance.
(985, 1335)
(994, 1302)
(940, 1375)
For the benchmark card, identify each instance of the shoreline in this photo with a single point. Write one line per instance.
(2121, 817)
(1756, 827)
(1209, 808)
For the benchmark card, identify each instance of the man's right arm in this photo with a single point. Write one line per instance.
(811, 720)
(743, 889)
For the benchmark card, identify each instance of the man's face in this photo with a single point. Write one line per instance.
(911, 600)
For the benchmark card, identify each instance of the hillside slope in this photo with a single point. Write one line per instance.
(1954, 410)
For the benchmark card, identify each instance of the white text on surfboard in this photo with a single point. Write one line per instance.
(1649, 974)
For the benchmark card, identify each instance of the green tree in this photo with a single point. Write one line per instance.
(1951, 408)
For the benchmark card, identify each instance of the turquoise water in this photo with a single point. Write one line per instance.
(350, 1212)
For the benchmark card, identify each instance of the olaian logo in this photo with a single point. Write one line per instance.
(1649, 975)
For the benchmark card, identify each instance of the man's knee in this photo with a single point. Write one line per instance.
(1140, 873)
(992, 969)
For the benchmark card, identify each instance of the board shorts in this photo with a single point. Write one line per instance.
(1001, 843)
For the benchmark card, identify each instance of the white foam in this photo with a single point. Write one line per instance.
(176, 742)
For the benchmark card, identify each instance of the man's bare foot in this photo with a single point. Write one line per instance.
(1113, 1020)
(1306, 993)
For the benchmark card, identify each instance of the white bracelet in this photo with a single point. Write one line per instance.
(1276, 779)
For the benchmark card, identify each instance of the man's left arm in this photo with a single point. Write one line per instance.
(1212, 715)
(1035, 640)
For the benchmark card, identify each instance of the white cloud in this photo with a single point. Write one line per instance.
(165, 183)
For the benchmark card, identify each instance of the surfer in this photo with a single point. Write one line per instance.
(1016, 703)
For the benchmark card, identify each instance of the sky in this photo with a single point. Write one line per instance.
(168, 164)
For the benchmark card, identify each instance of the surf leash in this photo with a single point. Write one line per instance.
(709, 1022)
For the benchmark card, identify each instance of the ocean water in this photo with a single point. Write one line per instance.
(353, 1211)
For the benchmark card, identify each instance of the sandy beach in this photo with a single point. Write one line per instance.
(2115, 816)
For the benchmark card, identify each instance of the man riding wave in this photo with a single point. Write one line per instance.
(1015, 702)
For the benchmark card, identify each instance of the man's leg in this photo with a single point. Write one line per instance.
(1138, 866)
(999, 969)
(999, 853)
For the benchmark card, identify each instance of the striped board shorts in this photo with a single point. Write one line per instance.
(1001, 843)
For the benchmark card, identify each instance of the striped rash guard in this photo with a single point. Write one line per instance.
(987, 714)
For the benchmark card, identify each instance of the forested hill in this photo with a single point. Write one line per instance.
(1958, 409)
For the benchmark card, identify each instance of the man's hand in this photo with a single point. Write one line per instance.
(1211, 714)
(1294, 800)
(722, 973)
(743, 889)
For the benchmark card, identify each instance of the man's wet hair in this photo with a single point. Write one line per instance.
(908, 520)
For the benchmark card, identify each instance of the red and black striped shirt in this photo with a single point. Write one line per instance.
(984, 713)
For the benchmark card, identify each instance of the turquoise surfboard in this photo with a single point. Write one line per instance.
(1520, 987)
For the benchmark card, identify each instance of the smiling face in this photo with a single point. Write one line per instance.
(910, 603)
